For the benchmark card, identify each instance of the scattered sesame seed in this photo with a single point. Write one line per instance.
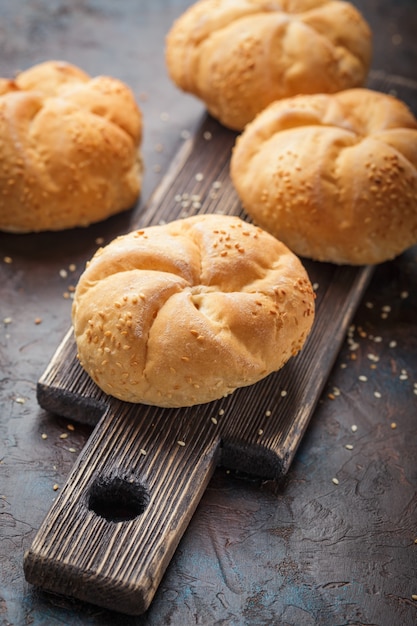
(44, 436)
(55, 487)
(72, 267)
(363, 378)
(63, 273)
(7, 320)
(330, 396)
(415, 541)
(207, 135)
(38, 320)
(8, 259)
(315, 286)
(260, 431)
(335, 481)
(349, 446)
(393, 425)
(99, 241)
(404, 295)
(199, 176)
(216, 184)
(369, 305)
(268, 413)
(143, 452)
(354, 428)
(71, 427)
(20, 400)
(185, 134)
(353, 345)
(377, 339)
(72, 450)
(181, 443)
(283, 393)
(63, 435)
(221, 412)
(214, 420)
(343, 366)
(377, 394)
(392, 344)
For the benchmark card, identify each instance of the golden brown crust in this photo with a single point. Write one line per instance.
(239, 56)
(333, 176)
(69, 148)
(187, 312)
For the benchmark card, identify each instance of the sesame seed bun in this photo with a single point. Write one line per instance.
(69, 148)
(332, 176)
(238, 56)
(185, 313)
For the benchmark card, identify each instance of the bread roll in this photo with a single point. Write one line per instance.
(238, 56)
(332, 176)
(185, 313)
(69, 148)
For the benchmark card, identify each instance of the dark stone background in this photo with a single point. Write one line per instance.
(299, 553)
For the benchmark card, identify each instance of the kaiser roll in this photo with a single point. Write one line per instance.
(332, 176)
(69, 148)
(238, 56)
(185, 313)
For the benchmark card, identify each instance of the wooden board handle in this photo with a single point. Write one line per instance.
(114, 527)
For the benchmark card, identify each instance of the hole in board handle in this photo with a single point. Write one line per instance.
(117, 498)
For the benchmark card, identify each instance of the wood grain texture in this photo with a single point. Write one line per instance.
(119, 564)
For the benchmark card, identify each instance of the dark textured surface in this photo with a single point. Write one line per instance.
(300, 553)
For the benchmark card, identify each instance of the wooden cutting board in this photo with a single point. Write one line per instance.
(115, 525)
